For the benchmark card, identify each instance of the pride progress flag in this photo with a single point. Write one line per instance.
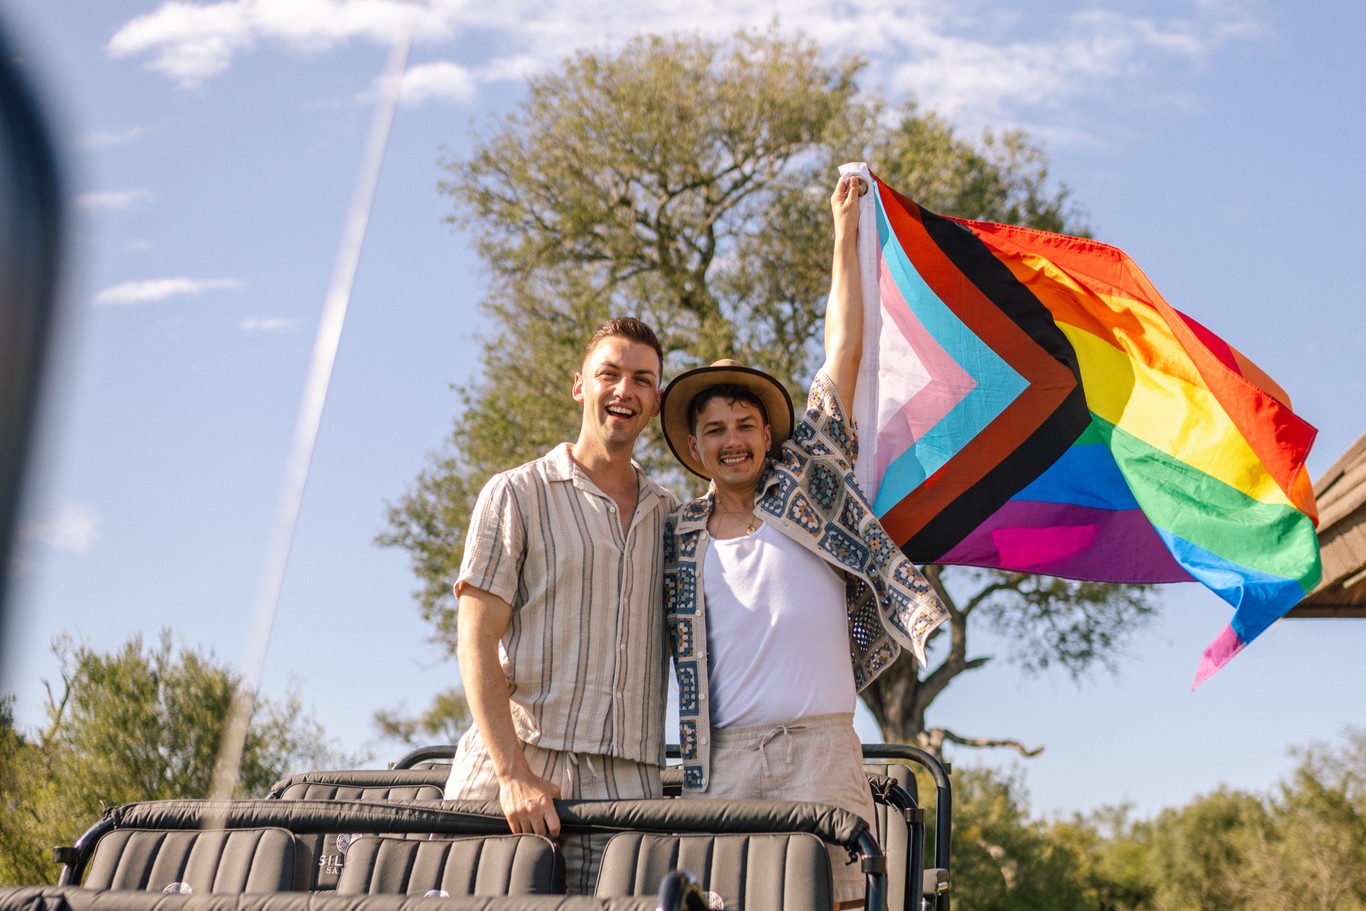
(1039, 407)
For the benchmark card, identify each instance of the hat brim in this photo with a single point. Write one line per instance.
(673, 410)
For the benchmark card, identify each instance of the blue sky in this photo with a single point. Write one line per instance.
(213, 149)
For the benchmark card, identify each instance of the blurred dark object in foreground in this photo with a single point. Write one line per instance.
(30, 241)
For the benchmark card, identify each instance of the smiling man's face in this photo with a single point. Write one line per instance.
(619, 388)
(731, 441)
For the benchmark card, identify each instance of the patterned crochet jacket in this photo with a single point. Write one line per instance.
(809, 494)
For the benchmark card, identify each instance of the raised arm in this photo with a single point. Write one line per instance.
(844, 309)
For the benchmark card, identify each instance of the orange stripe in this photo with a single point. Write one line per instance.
(1087, 271)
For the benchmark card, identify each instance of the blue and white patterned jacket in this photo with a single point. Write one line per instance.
(809, 494)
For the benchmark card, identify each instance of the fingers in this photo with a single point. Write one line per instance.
(533, 816)
(842, 192)
(844, 203)
(529, 806)
(552, 822)
(540, 820)
(849, 187)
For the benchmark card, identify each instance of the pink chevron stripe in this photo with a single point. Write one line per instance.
(944, 385)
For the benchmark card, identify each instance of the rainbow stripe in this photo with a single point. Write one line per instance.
(1040, 408)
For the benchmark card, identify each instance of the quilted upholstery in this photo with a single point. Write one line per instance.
(758, 872)
(502, 865)
(212, 860)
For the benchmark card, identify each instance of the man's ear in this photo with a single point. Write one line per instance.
(768, 438)
(577, 391)
(659, 400)
(692, 447)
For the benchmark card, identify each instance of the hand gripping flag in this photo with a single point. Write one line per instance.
(1040, 408)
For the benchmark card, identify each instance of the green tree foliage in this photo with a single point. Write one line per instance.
(1303, 846)
(143, 722)
(684, 180)
(1195, 854)
(1313, 845)
(20, 783)
(444, 721)
(1111, 849)
(1004, 861)
(609, 191)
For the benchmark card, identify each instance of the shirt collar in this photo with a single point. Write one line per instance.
(560, 466)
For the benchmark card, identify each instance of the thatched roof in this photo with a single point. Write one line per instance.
(1341, 494)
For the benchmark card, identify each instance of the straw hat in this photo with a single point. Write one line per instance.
(673, 412)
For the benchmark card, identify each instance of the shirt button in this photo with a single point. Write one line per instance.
(704, 741)
(702, 696)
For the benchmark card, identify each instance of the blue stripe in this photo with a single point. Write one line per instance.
(1085, 475)
(1258, 599)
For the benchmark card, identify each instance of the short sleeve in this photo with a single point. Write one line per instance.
(495, 542)
(831, 424)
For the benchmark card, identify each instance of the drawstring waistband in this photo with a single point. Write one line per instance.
(572, 768)
(783, 730)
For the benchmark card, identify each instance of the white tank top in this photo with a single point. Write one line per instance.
(777, 632)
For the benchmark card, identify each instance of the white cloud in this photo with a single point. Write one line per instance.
(99, 139)
(112, 200)
(192, 42)
(966, 60)
(440, 81)
(152, 290)
(75, 529)
(268, 324)
(965, 74)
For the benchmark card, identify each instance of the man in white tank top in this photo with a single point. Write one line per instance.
(783, 595)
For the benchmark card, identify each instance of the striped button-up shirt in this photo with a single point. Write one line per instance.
(585, 652)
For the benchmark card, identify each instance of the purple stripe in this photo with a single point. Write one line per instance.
(1063, 539)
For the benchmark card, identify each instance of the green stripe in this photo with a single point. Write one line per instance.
(1275, 539)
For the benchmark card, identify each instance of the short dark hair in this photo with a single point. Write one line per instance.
(732, 393)
(629, 328)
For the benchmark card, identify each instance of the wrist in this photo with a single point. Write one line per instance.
(509, 764)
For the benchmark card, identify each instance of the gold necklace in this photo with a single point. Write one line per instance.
(753, 522)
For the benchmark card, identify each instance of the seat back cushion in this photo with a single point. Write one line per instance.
(485, 866)
(206, 860)
(765, 872)
(312, 790)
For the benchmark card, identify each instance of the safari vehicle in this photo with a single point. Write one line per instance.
(384, 840)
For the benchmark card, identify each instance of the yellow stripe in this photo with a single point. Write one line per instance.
(1134, 326)
(1169, 413)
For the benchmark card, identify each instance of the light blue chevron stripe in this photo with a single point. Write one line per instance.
(997, 383)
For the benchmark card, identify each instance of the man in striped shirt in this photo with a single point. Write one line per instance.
(561, 645)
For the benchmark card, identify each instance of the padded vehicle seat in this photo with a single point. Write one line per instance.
(312, 790)
(363, 784)
(758, 872)
(74, 898)
(212, 860)
(497, 865)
